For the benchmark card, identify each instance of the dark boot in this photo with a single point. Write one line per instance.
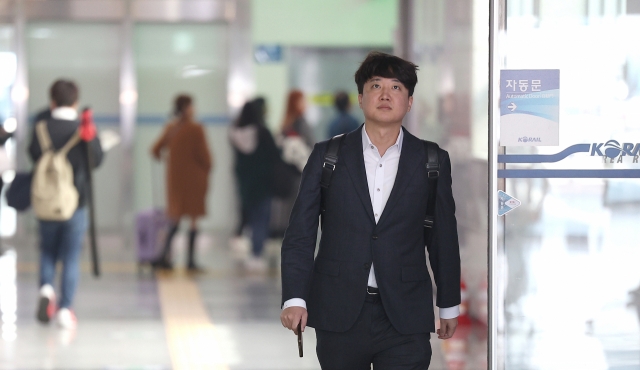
(191, 266)
(164, 260)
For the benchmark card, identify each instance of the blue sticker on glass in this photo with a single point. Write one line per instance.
(506, 203)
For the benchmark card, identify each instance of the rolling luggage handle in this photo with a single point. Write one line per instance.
(87, 116)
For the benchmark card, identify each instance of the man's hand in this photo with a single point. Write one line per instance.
(291, 316)
(447, 328)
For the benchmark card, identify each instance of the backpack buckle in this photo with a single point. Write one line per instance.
(432, 170)
(329, 165)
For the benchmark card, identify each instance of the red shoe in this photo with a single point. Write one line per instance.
(46, 304)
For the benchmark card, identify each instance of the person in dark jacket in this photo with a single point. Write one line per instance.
(344, 122)
(295, 140)
(255, 156)
(62, 240)
(366, 289)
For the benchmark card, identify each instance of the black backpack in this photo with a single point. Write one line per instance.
(432, 167)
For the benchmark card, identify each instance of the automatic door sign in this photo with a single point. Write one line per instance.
(529, 107)
(506, 203)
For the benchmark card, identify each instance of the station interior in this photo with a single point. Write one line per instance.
(564, 279)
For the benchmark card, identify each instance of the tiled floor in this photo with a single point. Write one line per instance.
(121, 322)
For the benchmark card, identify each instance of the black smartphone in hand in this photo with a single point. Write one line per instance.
(300, 339)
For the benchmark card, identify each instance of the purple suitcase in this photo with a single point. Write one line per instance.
(151, 227)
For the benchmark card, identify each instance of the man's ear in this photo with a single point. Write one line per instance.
(360, 100)
(52, 105)
(410, 103)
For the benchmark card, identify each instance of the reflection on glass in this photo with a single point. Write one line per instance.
(8, 295)
(172, 59)
(8, 66)
(571, 261)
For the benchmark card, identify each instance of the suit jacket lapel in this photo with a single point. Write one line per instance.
(354, 161)
(411, 157)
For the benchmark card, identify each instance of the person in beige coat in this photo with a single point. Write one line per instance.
(188, 162)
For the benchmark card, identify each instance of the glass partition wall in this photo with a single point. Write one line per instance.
(172, 59)
(8, 66)
(69, 50)
(129, 58)
(565, 279)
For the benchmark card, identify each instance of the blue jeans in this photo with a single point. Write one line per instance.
(62, 240)
(258, 217)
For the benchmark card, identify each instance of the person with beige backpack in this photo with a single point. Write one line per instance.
(59, 195)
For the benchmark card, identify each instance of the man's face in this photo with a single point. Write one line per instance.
(384, 100)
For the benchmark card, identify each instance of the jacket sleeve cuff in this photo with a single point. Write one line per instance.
(448, 312)
(295, 302)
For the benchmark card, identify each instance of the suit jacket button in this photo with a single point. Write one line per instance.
(367, 266)
(375, 237)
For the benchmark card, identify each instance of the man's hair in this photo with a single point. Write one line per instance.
(387, 66)
(341, 101)
(181, 103)
(64, 93)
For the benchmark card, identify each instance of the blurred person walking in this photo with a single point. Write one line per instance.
(255, 156)
(294, 123)
(295, 140)
(62, 232)
(344, 122)
(189, 162)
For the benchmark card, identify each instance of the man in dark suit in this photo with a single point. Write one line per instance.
(368, 292)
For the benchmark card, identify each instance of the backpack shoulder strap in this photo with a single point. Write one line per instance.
(330, 160)
(43, 136)
(45, 139)
(328, 166)
(433, 172)
(75, 139)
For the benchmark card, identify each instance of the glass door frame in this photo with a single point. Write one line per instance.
(497, 30)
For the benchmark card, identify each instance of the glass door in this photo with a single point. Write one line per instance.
(8, 124)
(172, 59)
(565, 276)
(88, 54)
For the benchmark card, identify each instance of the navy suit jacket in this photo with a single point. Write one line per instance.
(334, 283)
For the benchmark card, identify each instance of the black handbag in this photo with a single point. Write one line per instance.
(19, 192)
(284, 179)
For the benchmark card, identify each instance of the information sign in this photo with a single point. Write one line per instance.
(529, 107)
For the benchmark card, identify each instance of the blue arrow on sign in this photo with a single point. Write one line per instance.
(506, 203)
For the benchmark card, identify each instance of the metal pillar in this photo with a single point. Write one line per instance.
(240, 81)
(405, 49)
(128, 103)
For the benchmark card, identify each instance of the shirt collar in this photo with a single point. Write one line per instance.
(64, 113)
(366, 141)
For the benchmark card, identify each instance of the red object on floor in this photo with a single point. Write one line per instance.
(464, 318)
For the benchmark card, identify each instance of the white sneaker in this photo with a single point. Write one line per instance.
(46, 304)
(240, 247)
(255, 264)
(66, 319)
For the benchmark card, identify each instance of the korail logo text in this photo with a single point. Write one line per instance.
(529, 139)
(615, 151)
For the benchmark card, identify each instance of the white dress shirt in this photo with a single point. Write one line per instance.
(65, 113)
(381, 175)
